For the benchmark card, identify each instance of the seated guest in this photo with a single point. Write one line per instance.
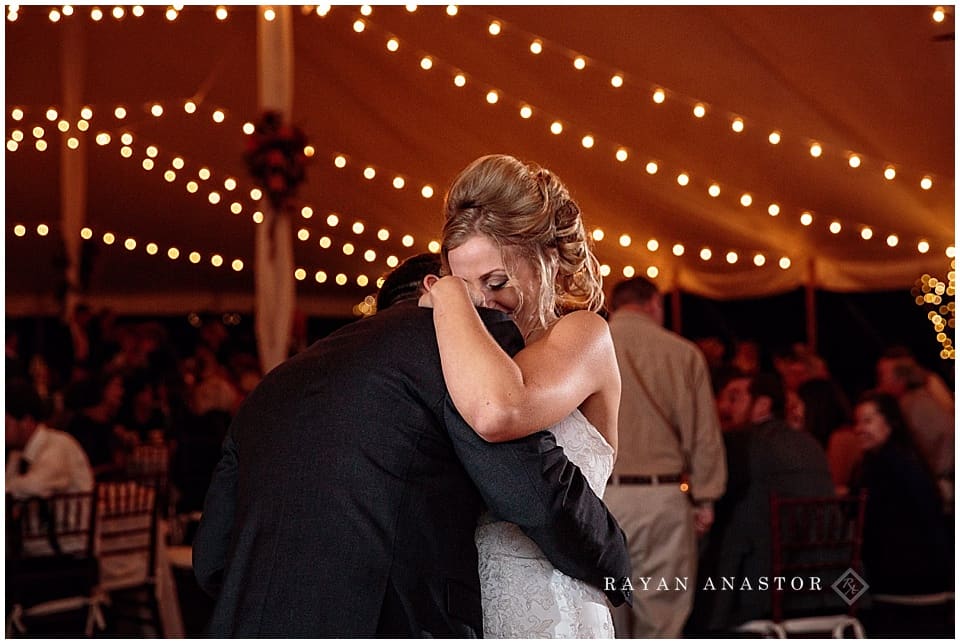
(764, 455)
(140, 414)
(823, 411)
(906, 548)
(928, 411)
(95, 425)
(42, 460)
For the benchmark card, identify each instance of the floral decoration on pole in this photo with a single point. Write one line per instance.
(275, 157)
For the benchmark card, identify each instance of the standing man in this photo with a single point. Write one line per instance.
(349, 490)
(670, 466)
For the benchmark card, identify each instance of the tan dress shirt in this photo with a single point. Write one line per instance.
(668, 419)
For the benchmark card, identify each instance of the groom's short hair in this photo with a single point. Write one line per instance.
(406, 280)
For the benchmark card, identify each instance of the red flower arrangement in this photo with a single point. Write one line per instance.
(275, 158)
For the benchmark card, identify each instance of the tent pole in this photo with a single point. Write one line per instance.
(810, 297)
(73, 163)
(275, 293)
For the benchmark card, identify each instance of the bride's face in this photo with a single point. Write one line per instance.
(479, 263)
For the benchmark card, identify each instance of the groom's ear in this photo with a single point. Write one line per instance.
(429, 281)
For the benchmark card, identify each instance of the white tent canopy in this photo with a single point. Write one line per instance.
(876, 82)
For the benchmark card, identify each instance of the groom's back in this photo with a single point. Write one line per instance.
(349, 494)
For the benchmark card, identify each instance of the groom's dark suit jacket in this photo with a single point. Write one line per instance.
(349, 489)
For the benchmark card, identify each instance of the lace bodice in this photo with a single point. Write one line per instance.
(523, 595)
(585, 447)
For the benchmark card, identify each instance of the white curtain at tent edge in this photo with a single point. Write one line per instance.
(273, 267)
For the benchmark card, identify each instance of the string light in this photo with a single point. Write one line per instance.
(816, 150)
(737, 125)
(699, 110)
(929, 293)
(619, 155)
(889, 173)
(774, 138)
(854, 161)
(926, 183)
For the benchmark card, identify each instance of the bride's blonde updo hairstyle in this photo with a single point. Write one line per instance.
(526, 208)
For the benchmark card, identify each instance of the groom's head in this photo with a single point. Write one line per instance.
(405, 282)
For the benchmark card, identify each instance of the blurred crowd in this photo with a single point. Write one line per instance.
(114, 385)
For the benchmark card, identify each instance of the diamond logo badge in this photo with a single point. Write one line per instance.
(850, 586)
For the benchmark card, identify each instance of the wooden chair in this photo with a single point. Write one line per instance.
(51, 562)
(815, 538)
(127, 547)
(149, 464)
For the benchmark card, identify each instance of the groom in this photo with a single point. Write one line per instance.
(349, 489)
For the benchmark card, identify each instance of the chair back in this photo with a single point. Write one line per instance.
(149, 463)
(61, 524)
(127, 543)
(816, 538)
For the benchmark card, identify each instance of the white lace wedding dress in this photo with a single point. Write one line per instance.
(522, 594)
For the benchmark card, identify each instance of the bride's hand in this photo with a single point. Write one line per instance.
(445, 289)
(426, 300)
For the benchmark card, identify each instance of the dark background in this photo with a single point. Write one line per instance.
(853, 329)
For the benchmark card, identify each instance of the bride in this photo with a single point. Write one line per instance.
(513, 239)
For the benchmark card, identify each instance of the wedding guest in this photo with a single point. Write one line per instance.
(42, 460)
(764, 455)
(824, 413)
(668, 428)
(906, 547)
(95, 425)
(140, 414)
(928, 410)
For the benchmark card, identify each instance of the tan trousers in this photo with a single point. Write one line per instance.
(658, 523)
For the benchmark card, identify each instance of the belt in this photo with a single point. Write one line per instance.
(654, 479)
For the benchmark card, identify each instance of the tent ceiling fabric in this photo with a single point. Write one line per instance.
(873, 80)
